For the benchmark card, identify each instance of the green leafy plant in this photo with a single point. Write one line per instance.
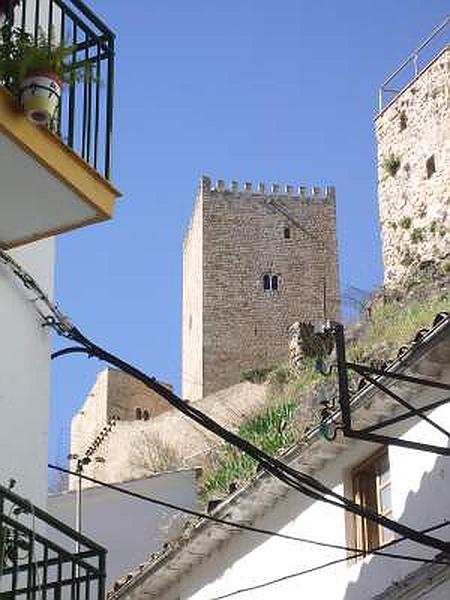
(391, 164)
(407, 258)
(417, 235)
(21, 55)
(255, 375)
(405, 222)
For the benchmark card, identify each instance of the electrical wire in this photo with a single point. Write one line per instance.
(302, 482)
(324, 566)
(358, 552)
(199, 514)
(305, 484)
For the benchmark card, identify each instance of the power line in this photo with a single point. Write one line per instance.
(302, 482)
(324, 566)
(242, 526)
(305, 484)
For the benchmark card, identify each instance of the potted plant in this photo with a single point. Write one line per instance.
(4, 5)
(35, 71)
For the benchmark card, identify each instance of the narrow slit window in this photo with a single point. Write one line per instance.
(138, 414)
(403, 121)
(271, 283)
(431, 166)
(146, 415)
(287, 233)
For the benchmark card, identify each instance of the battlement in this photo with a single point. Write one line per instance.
(300, 192)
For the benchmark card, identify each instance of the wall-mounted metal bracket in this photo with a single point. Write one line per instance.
(376, 377)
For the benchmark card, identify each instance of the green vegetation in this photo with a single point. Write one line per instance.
(286, 416)
(444, 267)
(407, 258)
(391, 164)
(405, 222)
(417, 235)
(255, 375)
(271, 430)
(392, 325)
(21, 55)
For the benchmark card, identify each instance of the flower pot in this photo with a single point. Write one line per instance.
(40, 96)
(3, 6)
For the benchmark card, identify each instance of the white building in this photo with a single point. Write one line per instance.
(409, 486)
(52, 180)
(46, 188)
(130, 528)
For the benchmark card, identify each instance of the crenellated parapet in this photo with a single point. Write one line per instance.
(247, 188)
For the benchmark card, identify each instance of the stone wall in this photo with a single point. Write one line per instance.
(413, 135)
(192, 334)
(114, 394)
(247, 235)
(125, 395)
(135, 449)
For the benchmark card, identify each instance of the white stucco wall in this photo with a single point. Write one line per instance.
(420, 498)
(129, 528)
(25, 375)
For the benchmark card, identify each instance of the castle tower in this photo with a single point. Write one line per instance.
(254, 262)
(413, 134)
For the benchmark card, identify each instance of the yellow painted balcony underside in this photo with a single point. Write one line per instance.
(66, 171)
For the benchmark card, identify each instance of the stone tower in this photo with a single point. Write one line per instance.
(413, 134)
(254, 262)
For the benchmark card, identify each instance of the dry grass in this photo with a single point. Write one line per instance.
(289, 410)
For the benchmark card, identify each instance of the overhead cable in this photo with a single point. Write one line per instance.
(305, 484)
(302, 482)
(358, 552)
(323, 566)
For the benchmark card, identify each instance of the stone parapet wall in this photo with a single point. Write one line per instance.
(413, 135)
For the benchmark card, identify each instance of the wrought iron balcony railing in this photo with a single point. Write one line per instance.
(85, 120)
(41, 557)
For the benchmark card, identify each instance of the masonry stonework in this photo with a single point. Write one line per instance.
(255, 261)
(413, 135)
(114, 394)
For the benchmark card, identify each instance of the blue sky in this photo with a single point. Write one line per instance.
(252, 90)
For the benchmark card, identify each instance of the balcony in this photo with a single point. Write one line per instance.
(40, 557)
(57, 178)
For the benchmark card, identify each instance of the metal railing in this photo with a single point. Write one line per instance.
(37, 557)
(413, 66)
(85, 121)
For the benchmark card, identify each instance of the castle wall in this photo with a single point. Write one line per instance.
(114, 394)
(134, 449)
(192, 333)
(125, 394)
(413, 201)
(244, 325)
